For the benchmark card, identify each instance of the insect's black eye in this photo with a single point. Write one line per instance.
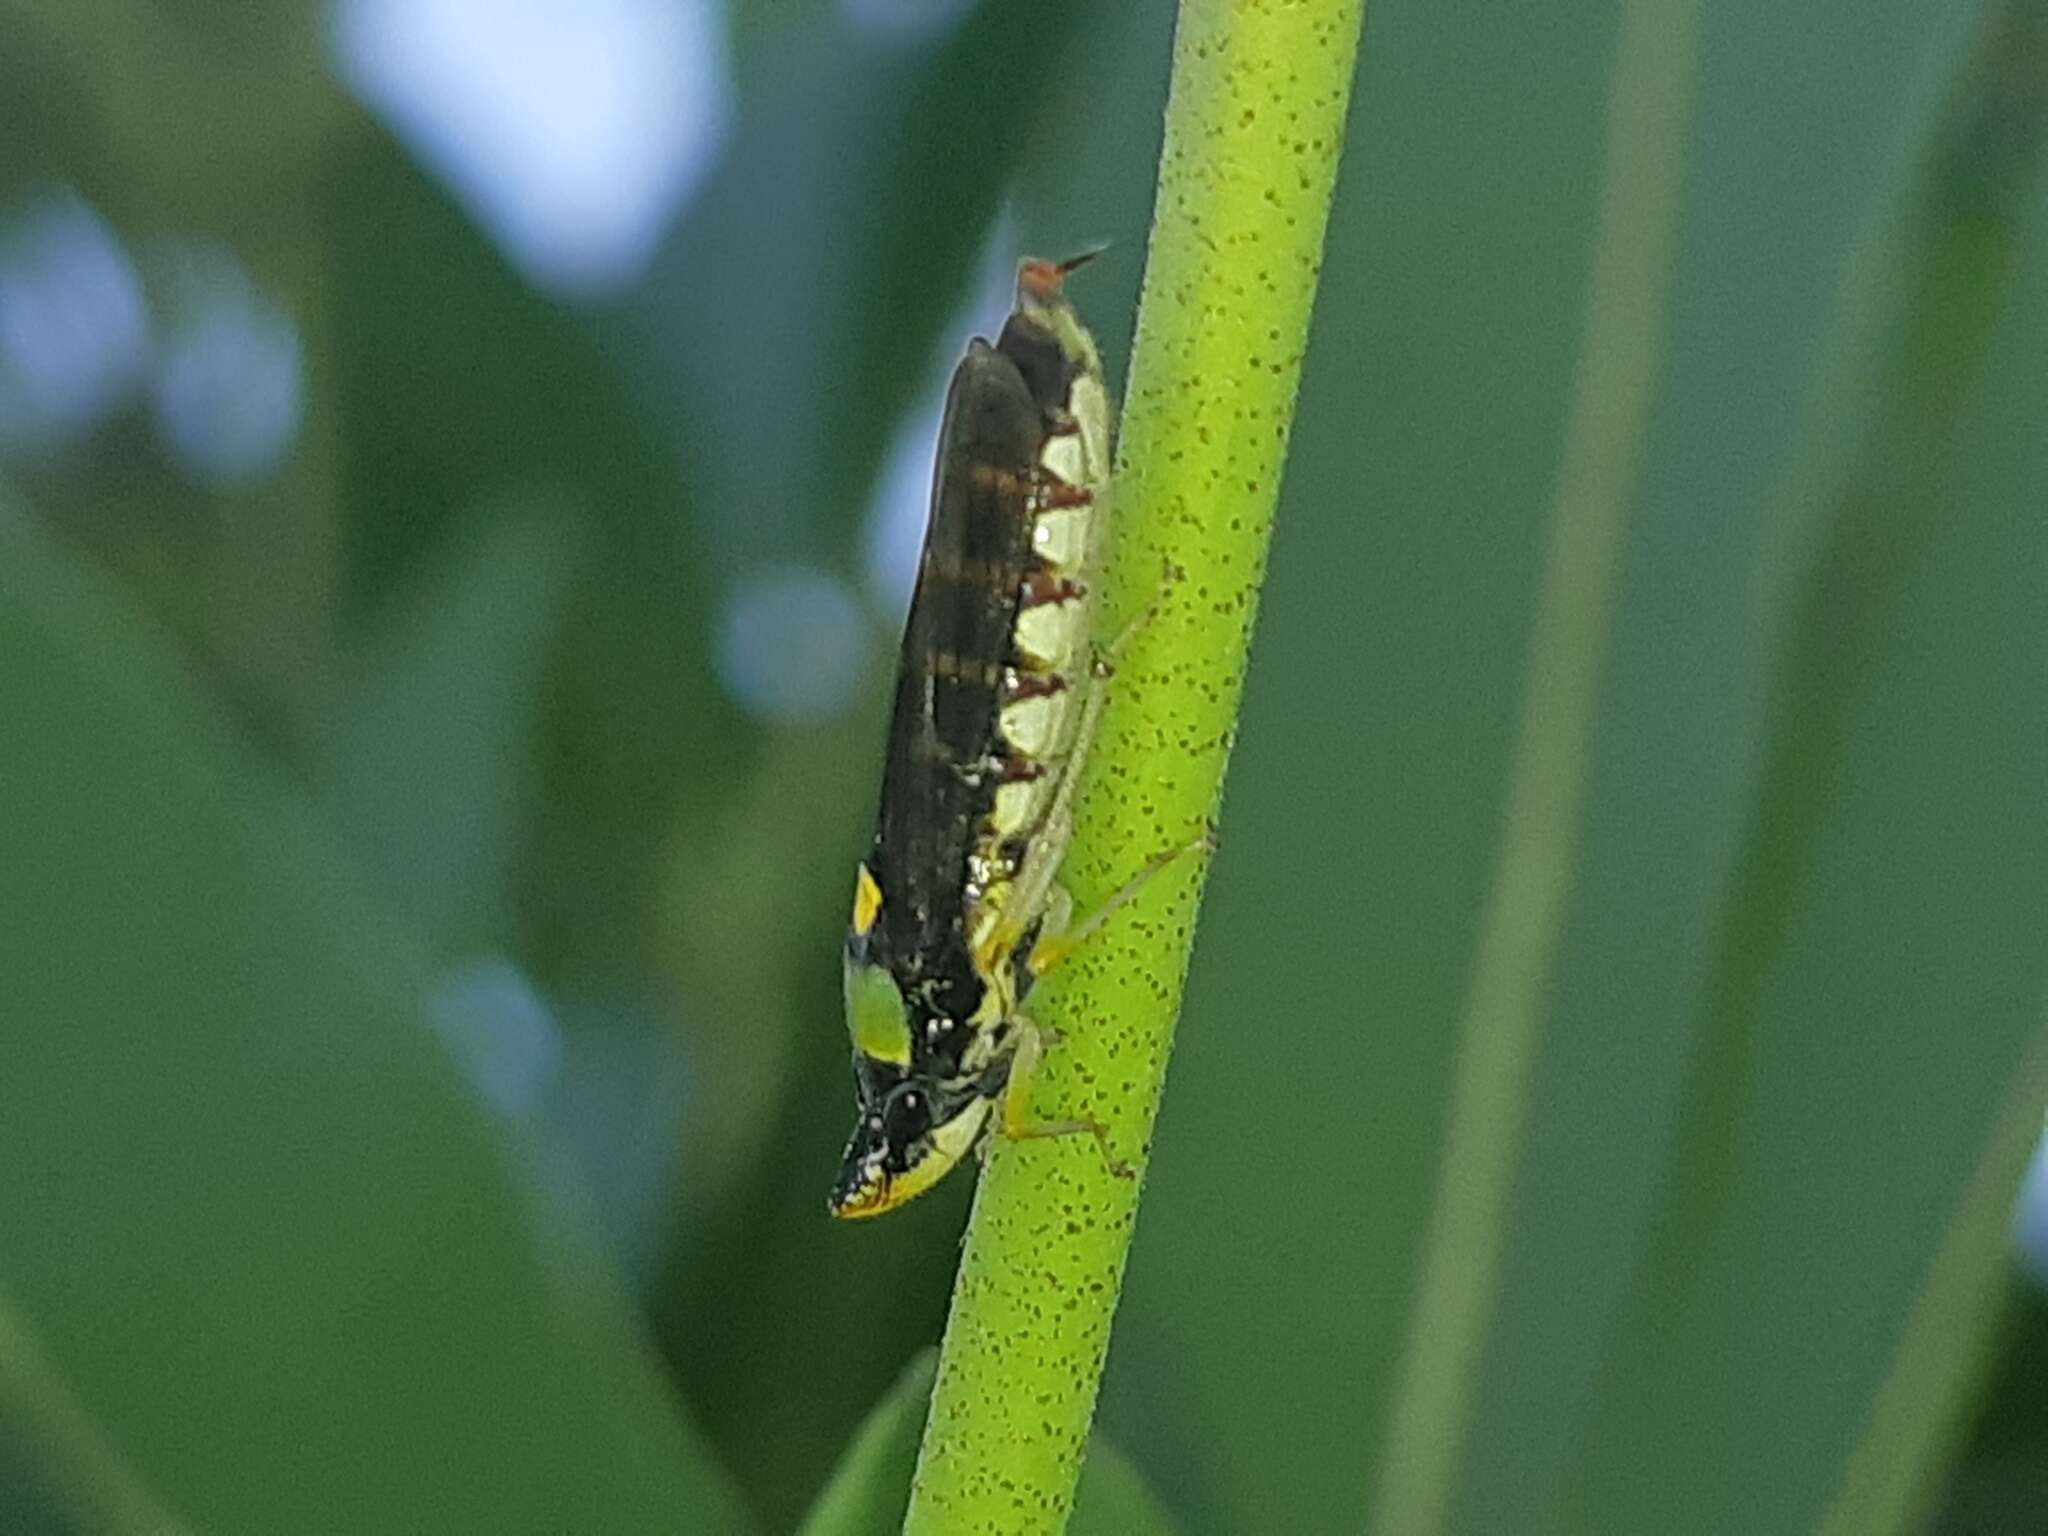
(907, 1116)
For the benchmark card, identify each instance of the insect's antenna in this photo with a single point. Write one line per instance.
(1082, 258)
(1042, 279)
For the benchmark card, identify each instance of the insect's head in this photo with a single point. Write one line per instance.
(904, 1142)
(1042, 305)
(913, 1126)
(912, 1129)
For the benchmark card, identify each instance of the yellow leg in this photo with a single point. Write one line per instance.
(1053, 947)
(1016, 1121)
(1104, 663)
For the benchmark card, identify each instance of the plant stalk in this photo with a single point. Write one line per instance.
(1254, 129)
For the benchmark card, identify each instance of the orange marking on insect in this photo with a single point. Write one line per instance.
(1044, 586)
(1057, 494)
(1021, 685)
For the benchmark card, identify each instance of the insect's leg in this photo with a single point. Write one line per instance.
(1036, 881)
(1059, 917)
(1015, 1120)
(1106, 656)
(1059, 941)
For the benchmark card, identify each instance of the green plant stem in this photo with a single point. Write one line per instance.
(1254, 127)
(1619, 365)
(82, 1470)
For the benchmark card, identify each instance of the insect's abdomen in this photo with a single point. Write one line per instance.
(1048, 667)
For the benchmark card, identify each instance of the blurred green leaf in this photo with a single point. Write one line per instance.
(54, 1457)
(211, 98)
(460, 384)
(871, 1485)
(1114, 1499)
(1795, 1193)
(433, 757)
(2002, 1481)
(250, 1214)
(49, 131)
(1365, 804)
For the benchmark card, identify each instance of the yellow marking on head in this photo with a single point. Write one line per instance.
(876, 1015)
(944, 1149)
(867, 902)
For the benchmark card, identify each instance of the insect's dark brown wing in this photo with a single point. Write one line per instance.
(940, 779)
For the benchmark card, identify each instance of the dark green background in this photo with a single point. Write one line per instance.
(278, 762)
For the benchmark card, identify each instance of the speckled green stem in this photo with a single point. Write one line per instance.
(1254, 126)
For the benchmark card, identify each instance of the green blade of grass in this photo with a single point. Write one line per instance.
(1618, 372)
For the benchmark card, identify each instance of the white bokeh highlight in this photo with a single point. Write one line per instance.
(502, 1034)
(791, 645)
(74, 326)
(2030, 1217)
(573, 131)
(227, 387)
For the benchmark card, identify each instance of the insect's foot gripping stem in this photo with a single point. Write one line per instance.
(1015, 1121)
